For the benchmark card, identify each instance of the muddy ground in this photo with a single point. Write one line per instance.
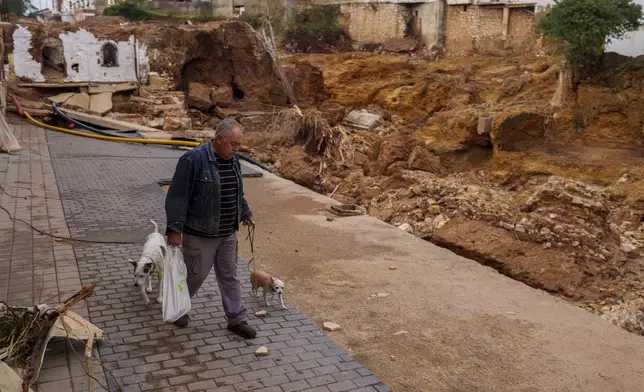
(550, 195)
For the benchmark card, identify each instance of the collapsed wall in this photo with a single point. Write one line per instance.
(61, 53)
(224, 54)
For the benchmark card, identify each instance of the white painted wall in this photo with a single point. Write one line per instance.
(24, 64)
(632, 45)
(83, 48)
(69, 6)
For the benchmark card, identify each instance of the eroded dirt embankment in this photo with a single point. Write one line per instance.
(550, 192)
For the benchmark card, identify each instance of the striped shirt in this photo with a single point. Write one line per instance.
(229, 190)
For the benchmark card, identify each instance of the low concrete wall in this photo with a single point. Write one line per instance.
(632, 45)
(195, 7)
(427, 22)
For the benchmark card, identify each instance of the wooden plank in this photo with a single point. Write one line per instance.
(54, 85)
(112, 87)
(8, 141)
(110, 123)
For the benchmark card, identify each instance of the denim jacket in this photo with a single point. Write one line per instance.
(194, 198)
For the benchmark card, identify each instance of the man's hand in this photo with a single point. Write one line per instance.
(174, 239)
(249, 221)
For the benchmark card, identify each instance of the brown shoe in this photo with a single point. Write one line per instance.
(244, 330)
(183, 321)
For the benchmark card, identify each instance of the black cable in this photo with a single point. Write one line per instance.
(2, 190)
(13, 219)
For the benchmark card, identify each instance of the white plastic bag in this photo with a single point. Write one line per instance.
(176, 298)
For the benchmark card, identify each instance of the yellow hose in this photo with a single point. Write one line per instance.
(111, 138)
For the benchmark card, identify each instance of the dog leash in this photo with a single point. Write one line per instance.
(251, 240)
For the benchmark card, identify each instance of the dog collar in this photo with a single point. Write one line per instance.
(158, 275)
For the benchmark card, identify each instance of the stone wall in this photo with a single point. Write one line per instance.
(375, 23)
(480, 29)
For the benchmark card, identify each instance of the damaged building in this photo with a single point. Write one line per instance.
(42, 53)
(459, 26)
(218, 54)
(161, 80)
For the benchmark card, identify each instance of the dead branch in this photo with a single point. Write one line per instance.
(86, 291)
(269, 43)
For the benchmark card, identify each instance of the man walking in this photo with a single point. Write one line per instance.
(204, 206)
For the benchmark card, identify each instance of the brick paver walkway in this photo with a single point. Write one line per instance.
(34, 268)
(108, 193)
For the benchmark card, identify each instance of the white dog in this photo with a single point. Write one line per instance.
(268, 284)
(150, 263)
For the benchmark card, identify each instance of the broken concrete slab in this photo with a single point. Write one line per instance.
(100, 103)
(176, 123)
(362, 119)
(112, 87)
(221, 96)
(60, 98)
(199, 96)
(110, 123)
(78, 100)
(156, 123)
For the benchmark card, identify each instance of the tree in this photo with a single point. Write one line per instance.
(582, 28)
(17, 7)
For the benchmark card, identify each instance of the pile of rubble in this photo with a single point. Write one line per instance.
(571, 217)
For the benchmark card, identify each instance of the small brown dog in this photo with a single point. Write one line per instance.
(266, 282)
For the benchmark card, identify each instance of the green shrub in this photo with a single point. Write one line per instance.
(127, 10)
(581, 29)
(133, 12)
(317, 22)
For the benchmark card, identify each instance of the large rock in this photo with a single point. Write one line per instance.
(394, 148)
(299, 167)
(307, 81)
(199, 96)
(421, 159)
(221, 96)
(174, 123)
